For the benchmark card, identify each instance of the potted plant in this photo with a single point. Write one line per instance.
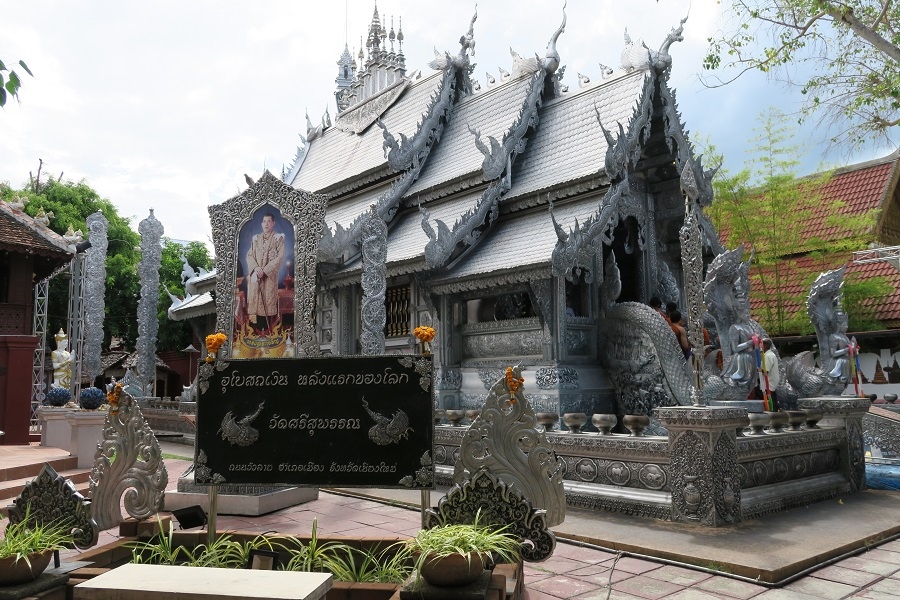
(26, 550)
(453, 555)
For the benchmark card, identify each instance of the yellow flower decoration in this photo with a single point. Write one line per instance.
(113, 396)
(513, 383)
(213, 343)
(424, 333)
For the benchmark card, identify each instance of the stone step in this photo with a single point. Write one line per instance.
(30, 470)
(11, 488)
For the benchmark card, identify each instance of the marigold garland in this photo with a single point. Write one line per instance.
(213, 343)
(112, 397)
(513, 383)
(424, 333)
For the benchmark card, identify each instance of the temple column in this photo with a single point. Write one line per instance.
(847, 414)
(705, 484)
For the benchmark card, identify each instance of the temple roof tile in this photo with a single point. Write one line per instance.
(492, 113)
(521, 240)
(569, 144)
(337, 156)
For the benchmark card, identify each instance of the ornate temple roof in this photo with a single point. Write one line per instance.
(337, 156)
(569, 137)
(21, 234)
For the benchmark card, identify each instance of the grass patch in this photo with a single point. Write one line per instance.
(175, 456)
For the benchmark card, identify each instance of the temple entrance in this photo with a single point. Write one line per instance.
(628, 258)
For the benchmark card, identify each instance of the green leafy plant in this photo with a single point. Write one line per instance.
(311, 557)
(391, 565)
(488, 542)
(23, 540)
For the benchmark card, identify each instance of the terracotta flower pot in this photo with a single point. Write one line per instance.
(452, 570)
(14, 572)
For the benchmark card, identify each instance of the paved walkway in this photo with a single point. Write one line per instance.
(576, 571)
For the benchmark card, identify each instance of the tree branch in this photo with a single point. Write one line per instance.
(865, 32)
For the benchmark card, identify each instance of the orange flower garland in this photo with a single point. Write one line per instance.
(213, 343)
(513, 383)
(424, 334)
(112, 397)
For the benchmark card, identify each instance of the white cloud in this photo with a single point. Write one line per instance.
(167, 104)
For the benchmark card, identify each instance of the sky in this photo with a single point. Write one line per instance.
(167, 104)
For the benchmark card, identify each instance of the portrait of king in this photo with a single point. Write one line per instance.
(264, 287)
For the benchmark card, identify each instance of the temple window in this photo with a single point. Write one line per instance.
(396, 303)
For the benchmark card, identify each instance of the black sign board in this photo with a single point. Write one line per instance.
(363, 421)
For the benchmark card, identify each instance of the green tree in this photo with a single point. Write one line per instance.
(71, 203)
(11, 81)
(769, 208)
(844, 57)
(175, 335)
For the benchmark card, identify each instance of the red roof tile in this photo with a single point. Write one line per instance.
(21, 234)
(861, 188)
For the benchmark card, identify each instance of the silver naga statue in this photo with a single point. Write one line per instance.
(151, 231)
(374, 284)
(503, 440)
(830, 321)
(726, 292)
(128, 461)
(640, 352)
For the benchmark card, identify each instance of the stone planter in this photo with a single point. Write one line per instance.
(14, 572)
(574, 421)
(636, 424)
(604, 422)
(87, 429)
(55, 429)
(453, 570)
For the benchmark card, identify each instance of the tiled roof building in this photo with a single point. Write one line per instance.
(853, 191)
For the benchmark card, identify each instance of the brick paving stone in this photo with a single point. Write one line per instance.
(614, 595)
(821, 588)
(559, 564)
(893, 546)
(883, 556)
(636, 566)
(886, 586)
(844, 575)
(608, 578)
(588, 555)
(588, 570)
(870, 595)
(696, 594)
(562, 586)
(678, 575)
(785, 594)
(869, 565)
(647, 587)
(536, 595)
(731, 588)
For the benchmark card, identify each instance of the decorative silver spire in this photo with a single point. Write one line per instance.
(94, 293)
(374, 284)
(151, 231)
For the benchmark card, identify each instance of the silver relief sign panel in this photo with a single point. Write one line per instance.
(266, 240)
(362, 421)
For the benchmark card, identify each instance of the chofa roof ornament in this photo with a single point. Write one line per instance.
(638, 57)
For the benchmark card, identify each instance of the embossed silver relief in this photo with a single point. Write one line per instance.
(151, 231)
(424, 476)
(239, 432)
(422, 366)
(306, 212)
(202, 472)
(549, 378)
(50, 497)
(374, 285)
(692, 267)
(94, 294)
(504, 441)
(447, 378)
(882, 433)
(128, 460)
(388, 430)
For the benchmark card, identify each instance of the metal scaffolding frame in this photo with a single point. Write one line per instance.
(889, 254)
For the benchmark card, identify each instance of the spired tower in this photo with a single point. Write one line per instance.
(381, 69)
(346, 77)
